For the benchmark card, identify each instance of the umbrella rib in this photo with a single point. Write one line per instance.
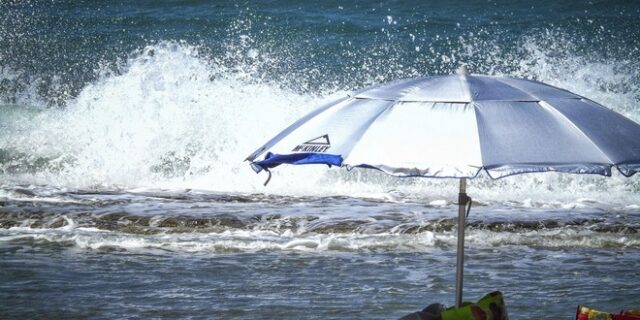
(412, 100)
(575, 96)
(465, 82)
(551, 108)
(368, 125)
(475, 114)
(519, 89)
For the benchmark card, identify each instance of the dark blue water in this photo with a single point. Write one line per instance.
(542, 284)
(322, 45)
(123, 194)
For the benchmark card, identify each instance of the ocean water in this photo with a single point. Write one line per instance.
(124, 194)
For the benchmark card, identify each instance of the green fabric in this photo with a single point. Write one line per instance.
(490, 307)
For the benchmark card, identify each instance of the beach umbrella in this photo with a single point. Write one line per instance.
(455, 126)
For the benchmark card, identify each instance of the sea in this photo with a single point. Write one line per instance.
(124, 193)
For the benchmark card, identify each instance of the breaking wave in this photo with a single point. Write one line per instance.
(172, 116)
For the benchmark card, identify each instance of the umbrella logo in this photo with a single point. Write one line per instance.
(319, 144)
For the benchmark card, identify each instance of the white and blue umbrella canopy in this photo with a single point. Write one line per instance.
(456, 126)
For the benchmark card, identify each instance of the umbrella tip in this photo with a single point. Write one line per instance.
(463, 70)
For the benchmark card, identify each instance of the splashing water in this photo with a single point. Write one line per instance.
(157, 113)
(171, 117)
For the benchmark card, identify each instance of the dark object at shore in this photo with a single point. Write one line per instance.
(490, 307)
(432, 312)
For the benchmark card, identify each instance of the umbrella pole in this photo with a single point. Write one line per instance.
(462, 203)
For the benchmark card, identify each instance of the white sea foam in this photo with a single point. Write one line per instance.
(272, 241)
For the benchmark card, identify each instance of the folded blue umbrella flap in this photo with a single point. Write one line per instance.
(272, 160)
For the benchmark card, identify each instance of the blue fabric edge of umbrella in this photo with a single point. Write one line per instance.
(272, 160)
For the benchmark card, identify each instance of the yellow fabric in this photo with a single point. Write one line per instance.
(490, 307)
(593, 314)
